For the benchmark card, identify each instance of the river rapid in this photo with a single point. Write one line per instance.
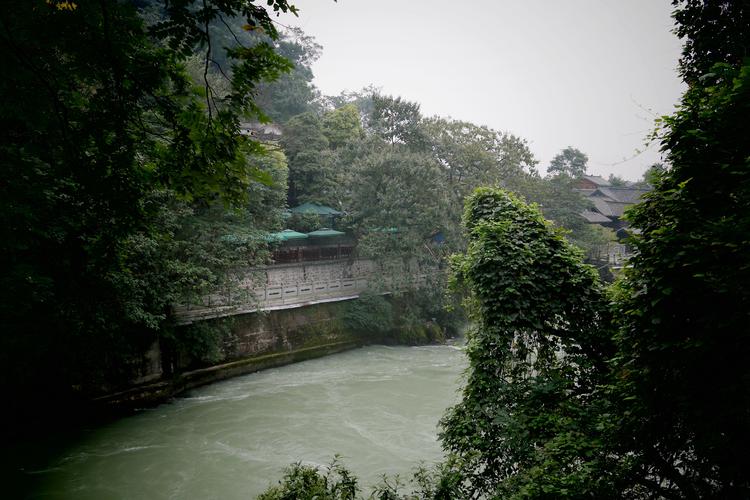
(378, 407)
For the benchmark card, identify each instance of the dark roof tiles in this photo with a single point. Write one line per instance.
(621, 194)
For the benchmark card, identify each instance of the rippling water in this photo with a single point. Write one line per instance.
(378, 407)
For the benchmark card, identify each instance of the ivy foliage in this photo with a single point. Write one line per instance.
(528, 423)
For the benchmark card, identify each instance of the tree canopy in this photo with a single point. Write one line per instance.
(527, 423)
(660, 406)
(571, 162)
(110, 151)
(682, 342)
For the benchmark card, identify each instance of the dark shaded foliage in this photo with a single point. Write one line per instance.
(685, 304)
(528, 423)
(102, 134)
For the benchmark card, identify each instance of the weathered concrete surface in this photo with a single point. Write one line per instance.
(281, 314)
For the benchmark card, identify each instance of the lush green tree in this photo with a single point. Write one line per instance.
(342, 126)
(395, 120)
(570, 161)
(684, 304)
(473, 156)
(396, 201)
(361, 99)
(392, 185)
(559, 200)
(303, 223)
(470, 156)
(650, 176)
(616, 181)
(188, 251)
(292, 93)
(527, 425)
(267, 196)
(563, 205)
(713, 32)
(311, 174)
(105, 130)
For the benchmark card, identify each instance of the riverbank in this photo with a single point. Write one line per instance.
(237, 346)
(150, 394)
(257, 341)
(378, 406)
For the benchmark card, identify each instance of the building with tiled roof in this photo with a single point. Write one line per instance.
(609, 205)
(591, 182)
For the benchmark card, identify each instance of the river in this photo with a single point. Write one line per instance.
(378, 407)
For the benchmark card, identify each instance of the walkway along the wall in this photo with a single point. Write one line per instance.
(288, 286)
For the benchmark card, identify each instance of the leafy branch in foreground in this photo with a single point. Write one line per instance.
(307, 482)
(336, 482)
(103, 130)
(683, 382)
(528, 423)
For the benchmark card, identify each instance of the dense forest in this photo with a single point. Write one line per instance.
(131, 185)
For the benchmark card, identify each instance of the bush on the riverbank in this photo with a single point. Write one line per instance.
(405, 319)
(198, 344)
(335, 482)
(368, 314)
(418, 333)
(306, 482)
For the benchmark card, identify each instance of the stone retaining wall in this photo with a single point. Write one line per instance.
(256, 341)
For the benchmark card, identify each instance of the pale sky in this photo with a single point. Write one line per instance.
(591, 74)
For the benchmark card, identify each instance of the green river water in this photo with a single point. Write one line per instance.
(378, 407)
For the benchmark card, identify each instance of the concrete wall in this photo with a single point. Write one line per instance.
(286, 330)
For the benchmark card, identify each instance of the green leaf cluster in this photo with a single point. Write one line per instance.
(127, 181)
(528, 425)
(305, 482)
(684, 304)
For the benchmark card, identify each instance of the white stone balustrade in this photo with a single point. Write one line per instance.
(287, 286)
